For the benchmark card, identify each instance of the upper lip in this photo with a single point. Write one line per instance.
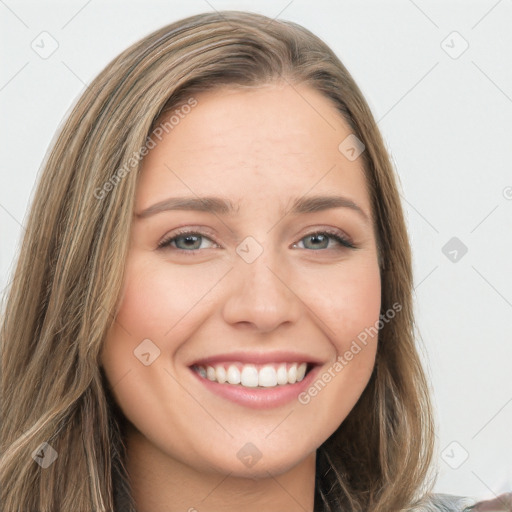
(258, 358)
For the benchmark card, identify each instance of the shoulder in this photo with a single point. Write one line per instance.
(444, 503)
(452, 503)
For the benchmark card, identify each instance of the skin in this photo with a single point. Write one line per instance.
(260, 148)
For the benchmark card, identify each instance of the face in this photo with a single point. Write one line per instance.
(253, 287)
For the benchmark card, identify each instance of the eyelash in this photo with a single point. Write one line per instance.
(166, 242)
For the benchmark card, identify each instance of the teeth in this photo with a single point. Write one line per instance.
(233, 375)
(251, 376)
(292, 374)
(301, 371)
(267, 377)
(221, 374)
(282, 375)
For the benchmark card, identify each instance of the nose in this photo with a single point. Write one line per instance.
(262, 295)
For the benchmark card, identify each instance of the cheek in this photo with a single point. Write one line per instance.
(347, 301)
(349, 308)
(149, 307)
(159, 302)
(158, 296)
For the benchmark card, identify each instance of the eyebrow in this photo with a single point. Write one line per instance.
(222, 206)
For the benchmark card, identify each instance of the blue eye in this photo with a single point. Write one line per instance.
(320, 237)
(190, 241)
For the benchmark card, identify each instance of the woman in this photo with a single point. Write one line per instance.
(264, 371)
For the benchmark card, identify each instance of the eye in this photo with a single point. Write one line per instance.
(191, 241)
(320, 240)
(186, 241)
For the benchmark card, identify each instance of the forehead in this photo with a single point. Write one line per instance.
(266, 144)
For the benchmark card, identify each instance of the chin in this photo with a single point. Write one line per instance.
(263, 467)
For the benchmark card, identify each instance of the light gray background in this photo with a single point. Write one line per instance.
(446, 117)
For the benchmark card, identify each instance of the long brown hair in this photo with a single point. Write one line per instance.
(66, 286)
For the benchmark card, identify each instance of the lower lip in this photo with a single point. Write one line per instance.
(259, 398)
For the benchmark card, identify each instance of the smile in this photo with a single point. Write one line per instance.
(253, 375)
